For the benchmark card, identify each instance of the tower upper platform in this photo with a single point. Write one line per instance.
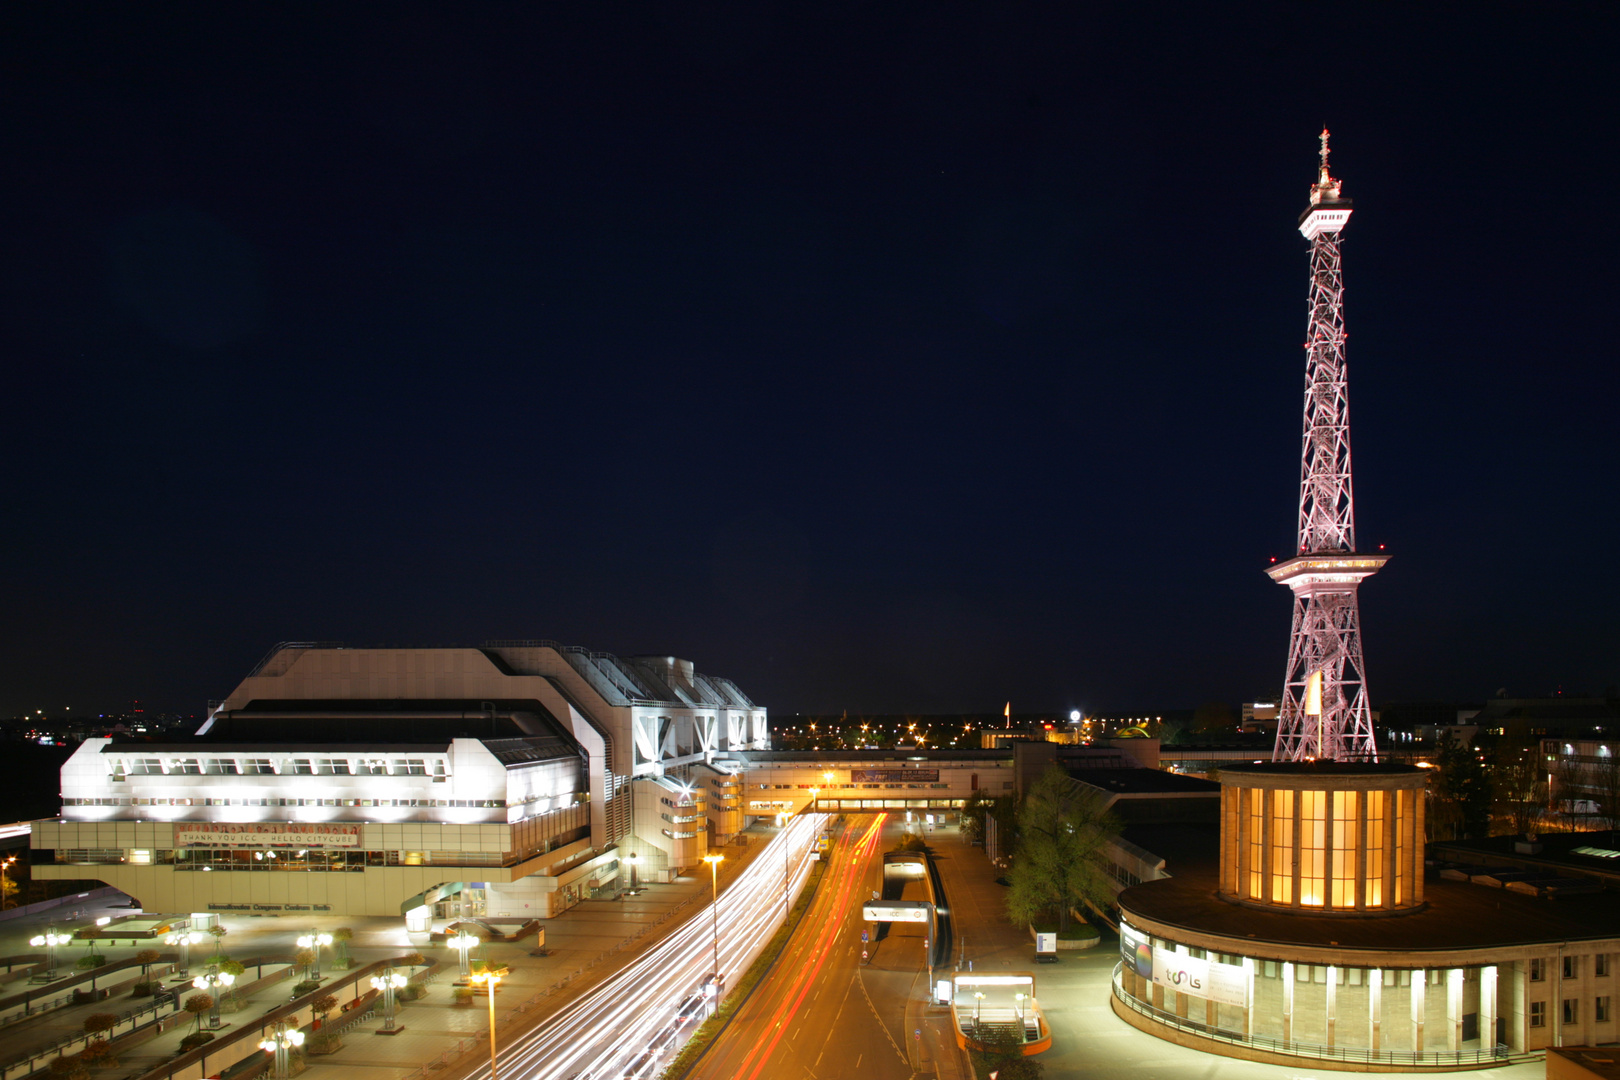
(1329, 210)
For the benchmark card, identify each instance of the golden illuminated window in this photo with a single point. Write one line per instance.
(1282, 847)
(1375, 848)
(1312, 847)
(1342, 893)
(1403, 815)
(1257, 837)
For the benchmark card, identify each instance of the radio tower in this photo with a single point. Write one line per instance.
(1324, 712)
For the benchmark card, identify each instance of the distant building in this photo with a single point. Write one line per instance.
(510, 779)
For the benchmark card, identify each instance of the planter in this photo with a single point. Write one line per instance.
(1064, 946)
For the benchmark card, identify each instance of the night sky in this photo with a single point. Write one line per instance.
(882, 356)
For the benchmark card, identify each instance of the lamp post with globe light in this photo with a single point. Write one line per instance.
(281, 1043)
(214, 980)
(388, 982)
(185, 939)
(50, 939)
(633, 859)
(463, 942)
(315, 943)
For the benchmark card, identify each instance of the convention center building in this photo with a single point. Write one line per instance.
(1315, 929)
(510, 779)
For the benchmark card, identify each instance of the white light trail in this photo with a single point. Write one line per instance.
(602, 1035)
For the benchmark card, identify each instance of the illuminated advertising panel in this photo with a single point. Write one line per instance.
(1200, 978)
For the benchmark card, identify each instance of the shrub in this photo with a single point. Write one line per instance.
(196, 1039)
(324, 1004)
(415, 959)
(142, 989)
(410, 992)
(147, 957)
(323, 1042)
(90, 960)
(98, 1052)
(69, 1068)
(461, 994)
(96, 1023)
(305, 987)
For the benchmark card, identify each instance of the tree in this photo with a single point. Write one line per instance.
(975, 808)
(305, 959)
(415, 959)
(235, 969)
(1464, 788)
(197, 1005)
(69, 1068)
(219, 931)
(341, 938)
(146, 958)
(323, 1005)
(1214, 718)
(1062, 855)
(1001, 1051)
(96, 1023)
(1517, 768)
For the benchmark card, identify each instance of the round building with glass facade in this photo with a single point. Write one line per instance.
(1315, 935)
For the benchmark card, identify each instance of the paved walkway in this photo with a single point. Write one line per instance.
(588, 942)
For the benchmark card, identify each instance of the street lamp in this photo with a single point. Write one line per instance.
(633, 859)
(281, 1043)
(5, 864)
(50, 939)
(492, 980)
(388, 982)
(978, 1000)
(462, 942)
(315, 942)
(1019, 998)
(214, 980)
(714, 862)
(185, 939)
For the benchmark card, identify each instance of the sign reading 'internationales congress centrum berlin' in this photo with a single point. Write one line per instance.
(227, 834)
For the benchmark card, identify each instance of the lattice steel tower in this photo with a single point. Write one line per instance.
(1324, 706)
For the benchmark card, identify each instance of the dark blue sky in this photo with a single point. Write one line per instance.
(901, 356)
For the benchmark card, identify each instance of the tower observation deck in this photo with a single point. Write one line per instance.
(1325, 712)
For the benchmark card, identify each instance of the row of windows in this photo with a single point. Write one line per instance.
(463, 803)
(264, 859)
(267, 767)
(1571, 967)
(1602, 1011)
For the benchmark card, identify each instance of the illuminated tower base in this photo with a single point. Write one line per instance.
(1325, 717)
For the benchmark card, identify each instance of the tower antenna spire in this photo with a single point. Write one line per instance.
(1325, 712)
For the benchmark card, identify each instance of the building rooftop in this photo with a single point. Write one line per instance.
(900, 754)
(1143, 782)
(1324, 768)
(1459, 914)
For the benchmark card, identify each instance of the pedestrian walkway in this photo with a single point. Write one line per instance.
(586, 944)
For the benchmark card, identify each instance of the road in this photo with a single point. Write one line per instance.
(633, 1021)
(821, 1013)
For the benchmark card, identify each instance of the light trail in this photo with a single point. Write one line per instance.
(607, 1033)
(851, 870)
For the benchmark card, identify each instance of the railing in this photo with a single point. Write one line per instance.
(1500, 1054)
(128, 1022)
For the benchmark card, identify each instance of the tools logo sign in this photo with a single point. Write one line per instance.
(1224, 983)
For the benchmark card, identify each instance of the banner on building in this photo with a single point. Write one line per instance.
(1224, 983)
(284, 834)
(1135, 951)
(893, 776)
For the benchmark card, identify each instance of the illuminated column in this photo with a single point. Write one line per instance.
(1287, 1002)
(1454, 992)
(1332, 1000)
(1420, 980)
(1248, 996)
(1375, 1007)
(1487, 1007)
